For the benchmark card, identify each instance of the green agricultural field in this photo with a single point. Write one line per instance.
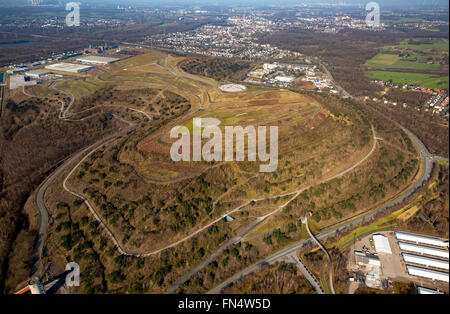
(425, 80)
(437, 44)
(406, 55)
(389, 60)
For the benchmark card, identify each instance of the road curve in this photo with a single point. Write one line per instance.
(40, 205)
(39, 201)
(330, 265)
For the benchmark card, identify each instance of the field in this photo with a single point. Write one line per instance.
(412, 45)
(385, 60)
(421, 63)
(425, 80)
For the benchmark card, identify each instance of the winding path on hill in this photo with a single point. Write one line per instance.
(44, 214)
(258, 220)
(39, 201)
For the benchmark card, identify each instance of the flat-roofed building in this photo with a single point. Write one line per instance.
(426, 261)
(17, 80)
(68, 67)
(420, 239)
(381, 243)
(427, 273)
(364, 259)
(96, 60)
(423, 290)
(424, 250)
(37, 74)
(17, 69)
(284, 79)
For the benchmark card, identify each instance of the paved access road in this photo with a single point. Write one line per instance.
(40, 205)
(306, 273)
(330, 265)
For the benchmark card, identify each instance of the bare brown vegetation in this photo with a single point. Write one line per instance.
(32, 142)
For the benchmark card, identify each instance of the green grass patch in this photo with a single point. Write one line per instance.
(388, 60)
(409, 44)
(421, 79)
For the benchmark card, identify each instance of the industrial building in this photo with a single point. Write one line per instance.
(424, 250)
(363, 259)
(68, 67)
(96, 60)
(427, 273)
(17, 80)
(420, 239)
(284, 79)
(423, 290)
(17, 69)
(37, 74)
(426, 261)
(381, 243)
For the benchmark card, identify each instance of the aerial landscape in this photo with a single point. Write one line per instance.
(252, 148)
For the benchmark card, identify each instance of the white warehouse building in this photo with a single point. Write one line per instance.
(96, 60)
(423, 290)
(420, 239)
(363, 259)
(414, 248)
(426, 261)
(37, 74)
(285, 79)
(427, 273)
(68, 67)
(381, 243)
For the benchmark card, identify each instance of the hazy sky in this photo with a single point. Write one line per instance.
(264, 2)
(399, 3)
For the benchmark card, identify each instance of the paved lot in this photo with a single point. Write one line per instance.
(16, 81)
(392, 265)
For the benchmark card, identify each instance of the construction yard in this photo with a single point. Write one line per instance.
(374, 267)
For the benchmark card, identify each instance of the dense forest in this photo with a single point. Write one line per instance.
(431, 130)
(219, 69)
